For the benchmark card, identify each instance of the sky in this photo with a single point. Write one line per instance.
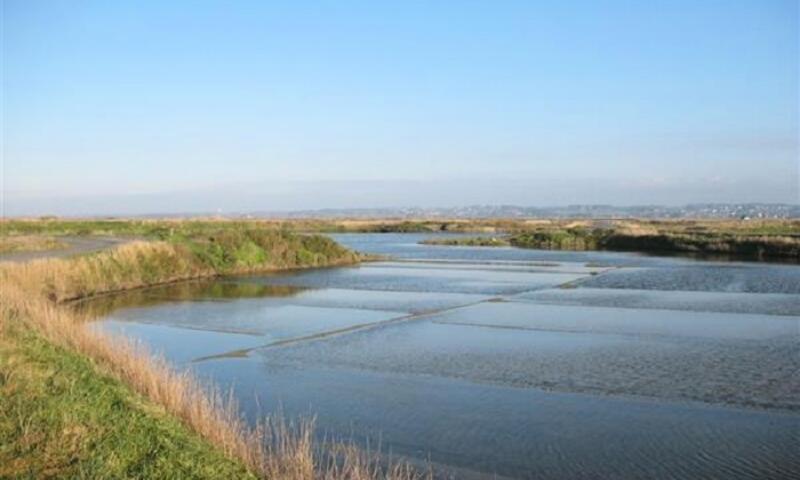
(131, 107)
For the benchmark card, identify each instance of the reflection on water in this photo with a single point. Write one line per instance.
(194, 291)
(483, 361)
(272, 321)
(182, 345)
(396, 277)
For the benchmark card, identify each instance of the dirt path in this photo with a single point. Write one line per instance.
(75, 246)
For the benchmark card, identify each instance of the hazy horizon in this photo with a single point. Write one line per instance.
(344, 196)
(113, 108)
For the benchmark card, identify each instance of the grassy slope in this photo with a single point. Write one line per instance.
(75, 406)
(62, 417)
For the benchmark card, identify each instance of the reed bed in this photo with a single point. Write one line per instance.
(29, 243)
(129, 266)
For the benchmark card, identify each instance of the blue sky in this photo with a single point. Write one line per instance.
(147, 106)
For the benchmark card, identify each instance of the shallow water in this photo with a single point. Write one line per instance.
(489, 430)
(739, 278)
(519, 363)
(725, 302)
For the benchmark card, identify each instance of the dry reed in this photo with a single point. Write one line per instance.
(129, 266)
(28, 243)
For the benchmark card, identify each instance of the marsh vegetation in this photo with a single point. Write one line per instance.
(760, 239)
(29, 243)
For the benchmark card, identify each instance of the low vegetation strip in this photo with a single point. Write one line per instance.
(760, 246)
(29, 243)
(640, 240)
(78, 403)
(161, 228)
(468, 241)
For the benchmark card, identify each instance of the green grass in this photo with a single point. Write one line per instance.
(558, 239)
(80, 227)
(62, 417)
(225, 246)
(232, 250)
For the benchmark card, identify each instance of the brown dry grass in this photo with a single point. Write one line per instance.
(274, 448)
(29, 243)
(636, 228)
(129, 266)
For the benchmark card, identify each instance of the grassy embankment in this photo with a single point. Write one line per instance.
(80, 404)
(765, 239)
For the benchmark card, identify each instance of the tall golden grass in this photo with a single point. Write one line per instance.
(29, 243)
(129, 266)
(274, 448)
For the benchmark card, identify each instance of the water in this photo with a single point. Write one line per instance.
(507, 362)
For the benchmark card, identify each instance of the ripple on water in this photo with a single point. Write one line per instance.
(522, 433)
(723, 302)
(754, 278)
(734, 371)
